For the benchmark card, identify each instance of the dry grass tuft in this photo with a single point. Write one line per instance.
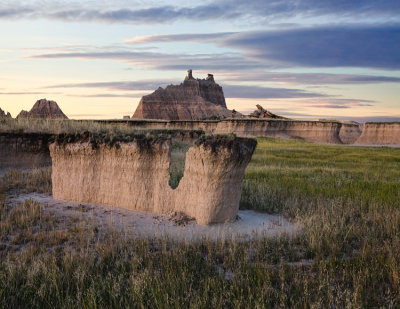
(36, 180)
(347, 199)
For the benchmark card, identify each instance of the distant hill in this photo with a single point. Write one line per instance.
(44, 109)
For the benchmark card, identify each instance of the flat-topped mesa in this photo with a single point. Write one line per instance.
(134, 174)
(44, 109)
(191, 100)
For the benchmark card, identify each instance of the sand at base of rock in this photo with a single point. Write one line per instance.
(250, 224)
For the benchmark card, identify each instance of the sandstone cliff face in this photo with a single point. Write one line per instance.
(193, 99)
(44, 109)
(135, 176)
(25, 150)
(380, 133)
(316, 131)
(322, 132)
(349, 133)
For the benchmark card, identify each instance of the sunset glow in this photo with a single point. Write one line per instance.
(303, 60)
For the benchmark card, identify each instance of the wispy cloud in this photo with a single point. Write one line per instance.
(325, 47)
(28, 93)
(256, 92)
(117, 85)
(339, 103)
(345, 46)
(184, 37)
(289, 78)
(165, 12)
(160, 61)
(108, 95)
(231, 91)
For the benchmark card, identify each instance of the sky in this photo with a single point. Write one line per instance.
(303, 59)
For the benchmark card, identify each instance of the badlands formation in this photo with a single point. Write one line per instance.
(24, 150)
(191, 100)
(261, 112)
(188, 106)
(316, 131)
(4, 115)
(384, 133)
(134, 175)
(44, 109)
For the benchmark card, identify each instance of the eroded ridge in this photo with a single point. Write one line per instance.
(380, 133)
(134, 174)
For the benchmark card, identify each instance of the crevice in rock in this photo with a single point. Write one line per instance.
(177, 163)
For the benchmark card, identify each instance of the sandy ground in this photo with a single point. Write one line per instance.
(250, 224)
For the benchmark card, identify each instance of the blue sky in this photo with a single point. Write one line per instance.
(305, 59)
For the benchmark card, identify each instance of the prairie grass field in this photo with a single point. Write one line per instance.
(346, 198)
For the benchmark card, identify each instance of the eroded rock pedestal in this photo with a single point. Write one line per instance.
(135, 175)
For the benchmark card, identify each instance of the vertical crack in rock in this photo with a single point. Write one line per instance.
(380, 133)
(135, 175)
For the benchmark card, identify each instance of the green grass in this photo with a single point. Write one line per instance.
(348, 254)
(57, 126)
(289, 175)
(78, 127)
(177, 163)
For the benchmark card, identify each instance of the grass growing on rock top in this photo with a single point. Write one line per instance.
(346, 198)
(77, 127)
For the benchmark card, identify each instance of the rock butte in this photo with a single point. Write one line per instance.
(135, 176)
(44, 109)
(193, 99)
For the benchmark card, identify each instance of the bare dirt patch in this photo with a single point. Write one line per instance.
(249, 224)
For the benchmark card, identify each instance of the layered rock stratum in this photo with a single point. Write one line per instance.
(194, 99)
(316, 131)
(349, 133)
(135, 175)
(380, 133)
(44, 109)
(24, 150)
